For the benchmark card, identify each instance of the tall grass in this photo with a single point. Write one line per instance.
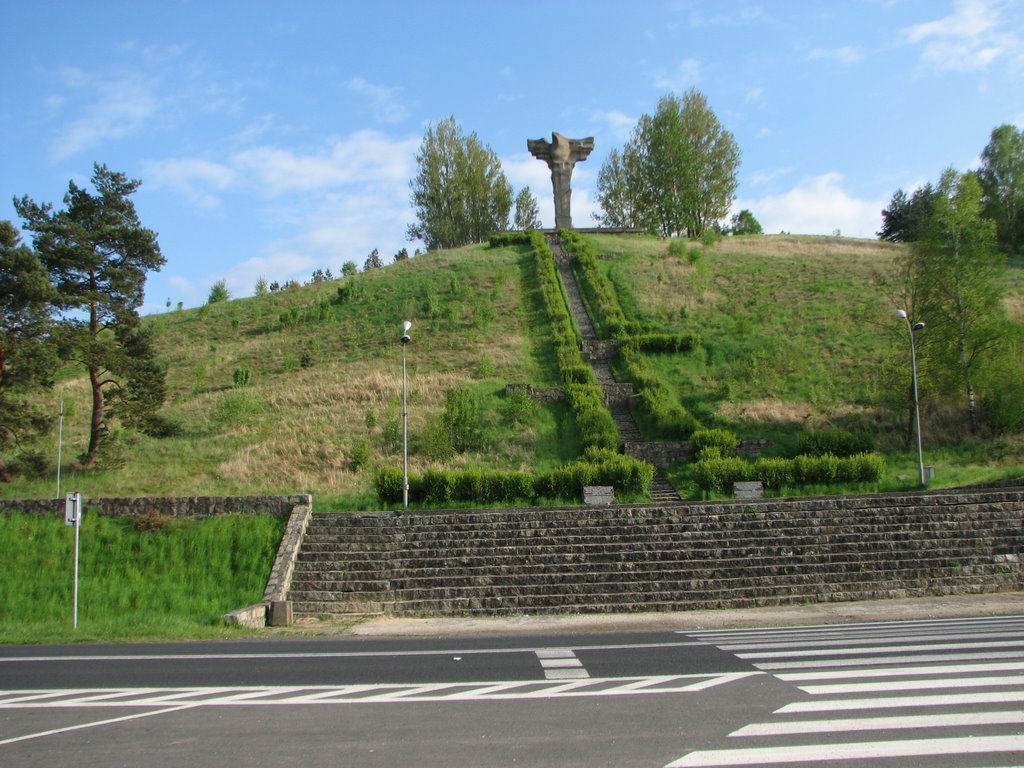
(138, 577)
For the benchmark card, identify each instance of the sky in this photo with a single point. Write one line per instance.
(276, 138)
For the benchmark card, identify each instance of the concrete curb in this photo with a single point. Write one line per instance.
(952, 606)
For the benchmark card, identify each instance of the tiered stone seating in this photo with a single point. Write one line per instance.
(677, 557)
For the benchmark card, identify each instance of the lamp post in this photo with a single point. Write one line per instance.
(406, 325)
(911, 330)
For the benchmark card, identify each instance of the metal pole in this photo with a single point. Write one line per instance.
(405, 437)
(78, 523)
(917, 406)
(60, 441)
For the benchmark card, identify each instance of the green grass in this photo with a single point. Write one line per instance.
(138, 578)
(795, 336)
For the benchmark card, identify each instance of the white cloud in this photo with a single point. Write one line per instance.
(816, 206)
(969, 39)
(846, 55)
(620, 125)
(194, 177)
(768, 175)
(754, 96)
(116, 108)
(363, 157)
(685, 75)
(737, 18)
(383, 100)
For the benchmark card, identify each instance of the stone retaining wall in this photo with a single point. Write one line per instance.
(187, 507)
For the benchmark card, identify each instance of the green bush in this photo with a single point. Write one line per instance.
(727, 442)
(838, 442)
(774, 472)
(861, 468)
(438, 486)
(30, 464)
(665, 343)
(816, 470)
(718, 475)
(505, 239)
(388, 484)
(241, 377)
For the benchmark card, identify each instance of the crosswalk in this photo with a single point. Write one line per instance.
(883, 693)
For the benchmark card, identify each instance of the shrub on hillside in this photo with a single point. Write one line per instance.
(727, 442)
(839, 442)
(816, 470)
(774, 473)
(718, 475)
(388, 484)
(505, 239)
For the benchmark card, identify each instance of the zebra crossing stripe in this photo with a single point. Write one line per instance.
(855, 751)
(878, 649)
(867, 640)
(561, 664)
(912, 685)
(835, 705)
(962, 719)
(947, 669)
(884, 660)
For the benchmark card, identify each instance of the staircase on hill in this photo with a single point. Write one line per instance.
(683, 557)
(661, 490)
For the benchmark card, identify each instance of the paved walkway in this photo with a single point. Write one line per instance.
(1004, 603)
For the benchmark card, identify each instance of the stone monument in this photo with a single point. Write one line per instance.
(561, 155)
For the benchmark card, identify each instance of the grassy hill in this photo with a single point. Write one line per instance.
(299, 391)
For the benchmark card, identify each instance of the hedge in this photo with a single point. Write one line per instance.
(717, 473)
(438, 487)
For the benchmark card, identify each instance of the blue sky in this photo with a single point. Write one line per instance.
(275, 138)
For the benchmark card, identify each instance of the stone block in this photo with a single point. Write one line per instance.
(753, 489)
(598, 495)
(280, 613)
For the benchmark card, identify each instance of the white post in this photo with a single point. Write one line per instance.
(406, 325)
(73, 516)
(60, 441)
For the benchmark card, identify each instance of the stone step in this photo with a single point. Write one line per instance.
(567, 602)
(611, 587)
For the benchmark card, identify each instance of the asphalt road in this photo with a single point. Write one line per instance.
(932, 694)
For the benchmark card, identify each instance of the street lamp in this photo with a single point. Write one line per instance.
(406, 325)
(912, 329)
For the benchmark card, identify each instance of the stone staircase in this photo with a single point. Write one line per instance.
(650, 558)
(617, 395)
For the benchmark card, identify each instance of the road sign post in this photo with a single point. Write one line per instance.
(73, 516)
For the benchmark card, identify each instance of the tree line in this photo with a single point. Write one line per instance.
(677, 175)
(952, 278)
(72, 298)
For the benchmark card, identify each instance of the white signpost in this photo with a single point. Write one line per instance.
(73, 516)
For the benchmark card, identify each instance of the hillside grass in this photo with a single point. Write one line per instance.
(795, 336)
(323, 404)
(139, 579)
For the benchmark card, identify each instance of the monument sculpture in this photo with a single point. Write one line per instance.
(561, 154)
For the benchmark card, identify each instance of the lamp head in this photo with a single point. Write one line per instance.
(918, 326)
(901, 313)
(406, 325)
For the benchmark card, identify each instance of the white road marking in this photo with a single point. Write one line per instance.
(867, 640)
(561, 664)
(948, 669)
(835, 705)
(912, 685)
(324, 654)
(361, 694)
(82, 726)
(856, 751)
(1008, 717)
(880, 649)
(863, 662)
